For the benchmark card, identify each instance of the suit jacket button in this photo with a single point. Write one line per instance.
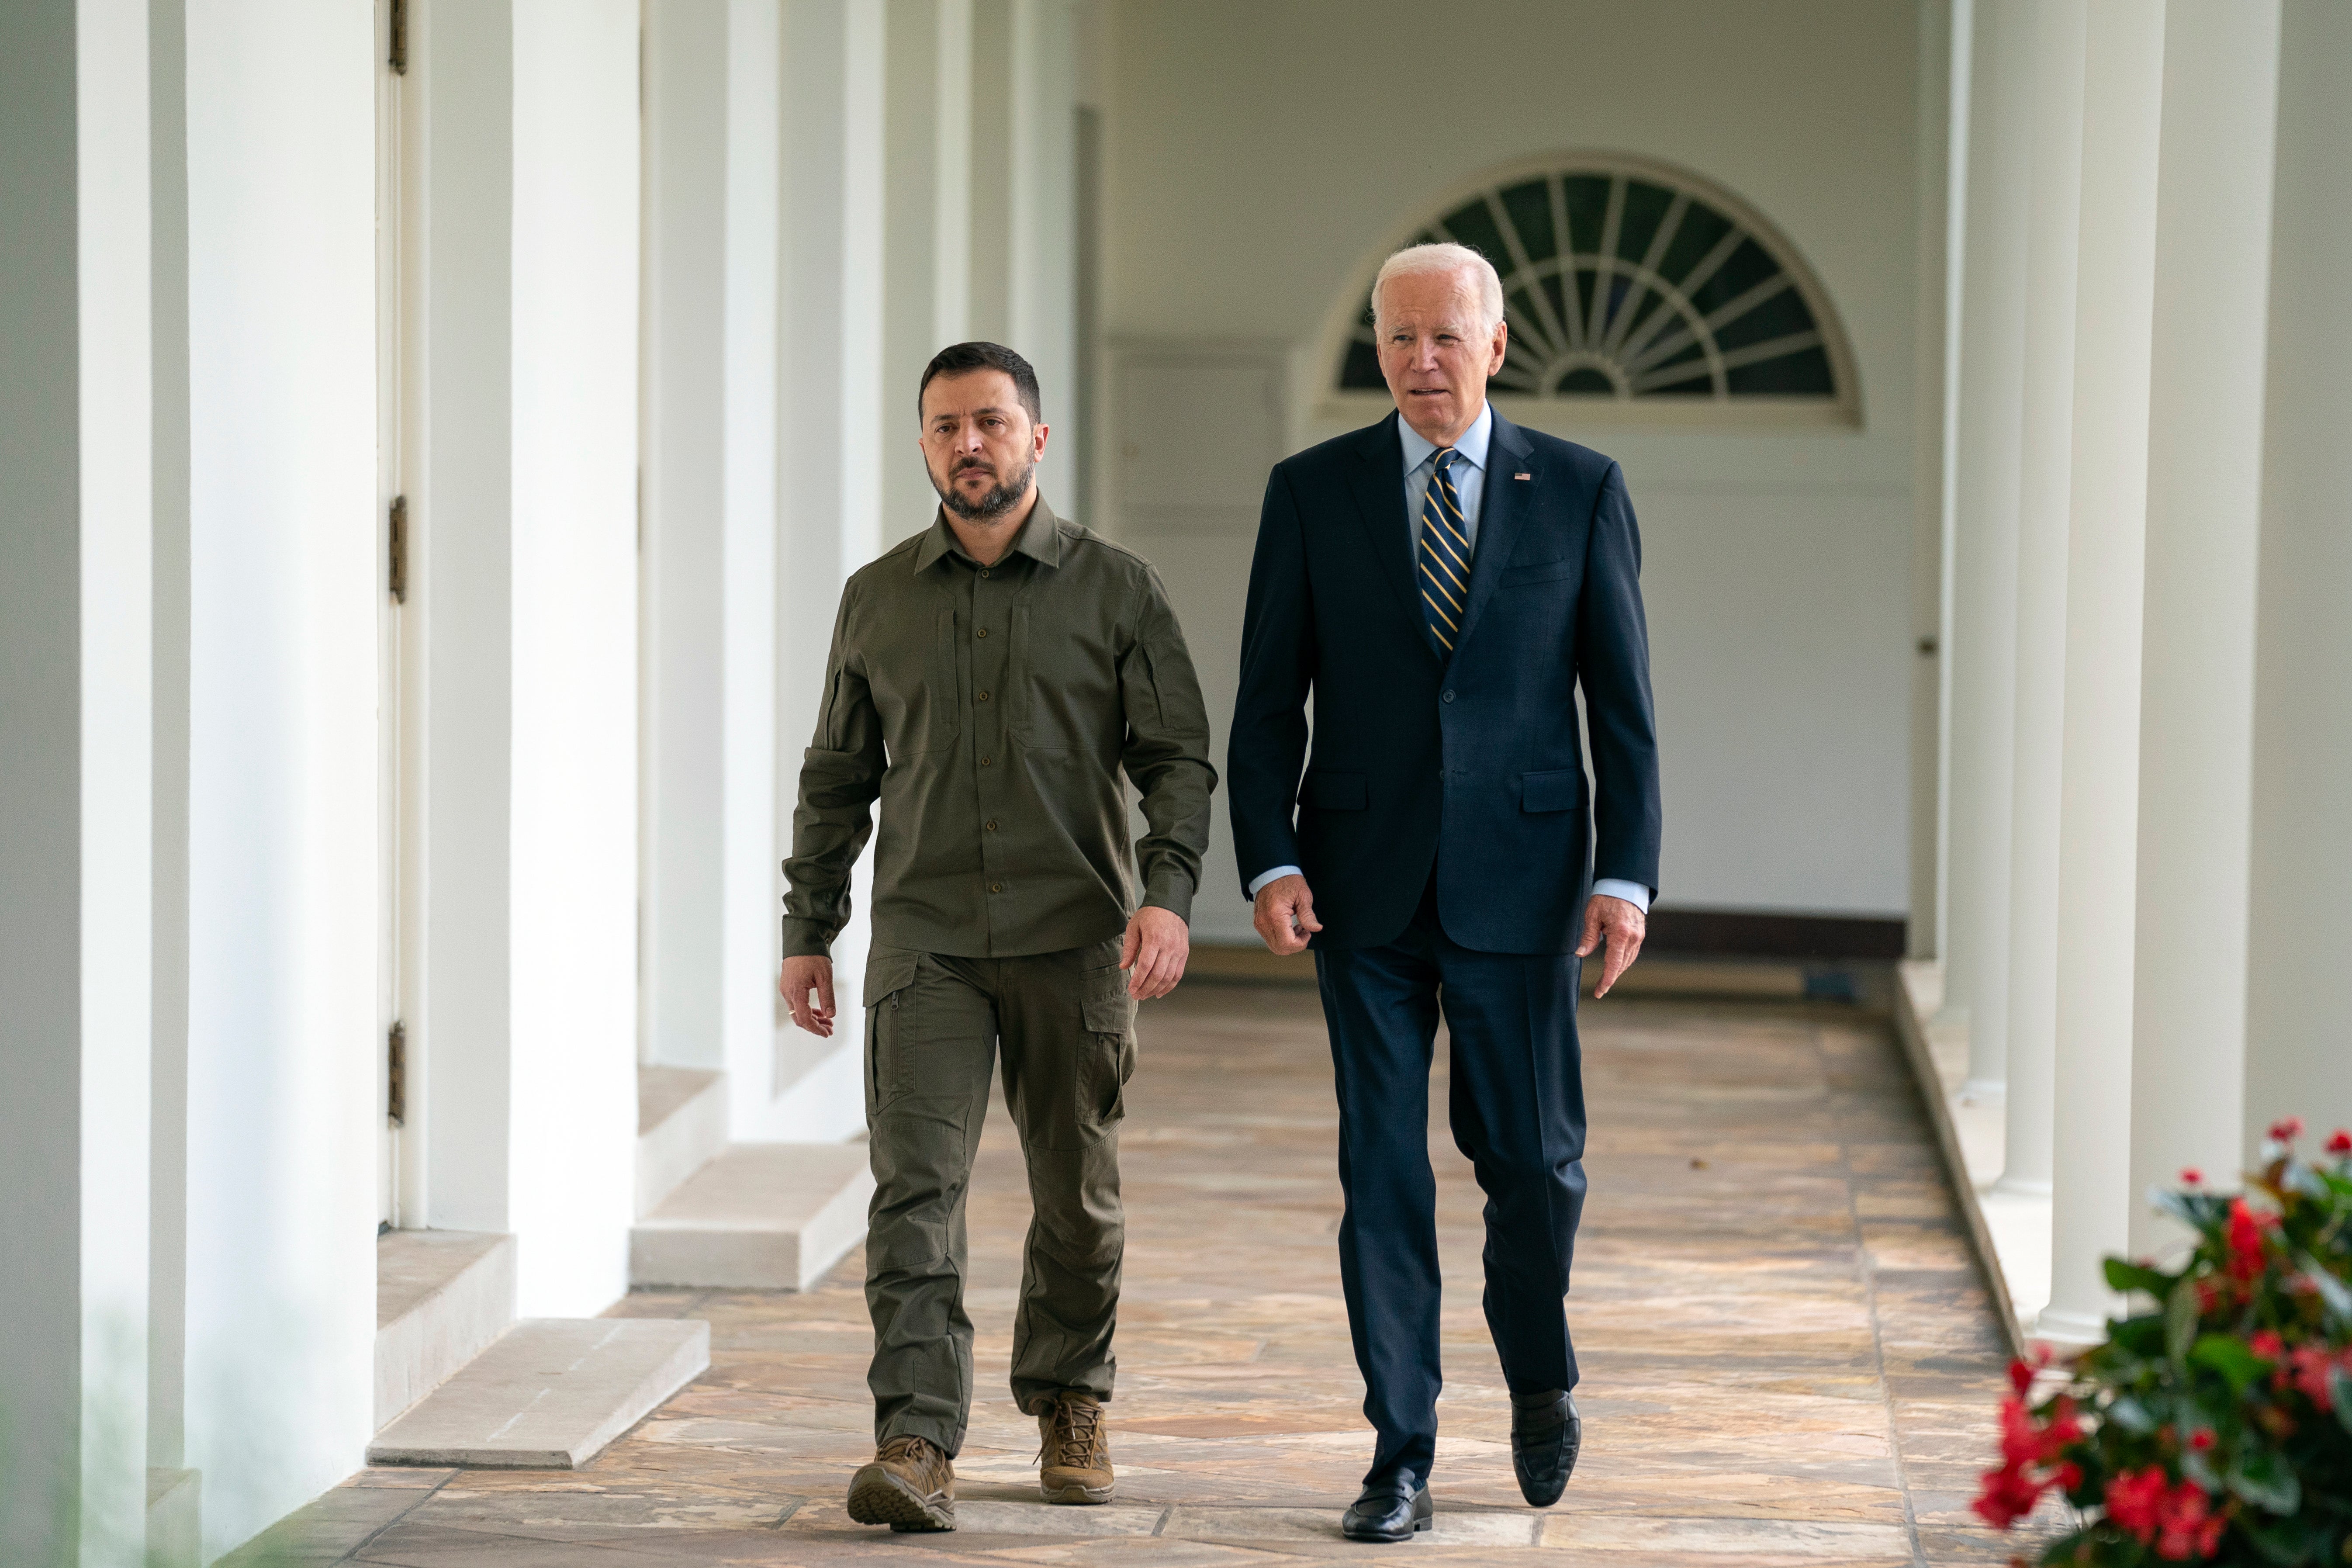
(1449, 697)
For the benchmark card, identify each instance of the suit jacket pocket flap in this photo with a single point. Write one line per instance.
(1333, 792)
(1538, 572)
(1556, 791)
(888, 970)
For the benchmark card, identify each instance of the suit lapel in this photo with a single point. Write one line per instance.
(1501, 510)
(1378, 485)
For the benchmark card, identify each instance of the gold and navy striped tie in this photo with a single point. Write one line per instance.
(1445, 554)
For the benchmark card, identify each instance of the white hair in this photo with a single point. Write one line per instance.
(1417, 260)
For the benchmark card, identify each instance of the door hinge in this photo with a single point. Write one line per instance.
(398, 572)
(396, 1100)
(396, 56)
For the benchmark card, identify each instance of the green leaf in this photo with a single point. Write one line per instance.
(2277, 1540)
(2334, 1294)
(2198, 1213)
(2180, 1325)
(2125, 1277)
(2266, 1481)
(2339, 1390)
(2228, 1355)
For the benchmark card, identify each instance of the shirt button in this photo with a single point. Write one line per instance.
(989, 825)
(984, 571)
(982, 633)
(996, 887)
(1449, 697)
(983, 697)
(985, 761)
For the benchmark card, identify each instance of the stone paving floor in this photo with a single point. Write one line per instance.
(1789, 1355)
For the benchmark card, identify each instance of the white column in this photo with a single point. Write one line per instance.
(74, 766)
(684, 851)
(2053, 229)
(2204, 503)
(284, 585)
(750, 885)
(2123, 95)
(712, 119)
(2300, 1008)
(526, 516)
(1982, 652)
(925, 230)
(832, 321)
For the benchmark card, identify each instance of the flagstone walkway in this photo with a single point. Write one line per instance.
(1788, 1356)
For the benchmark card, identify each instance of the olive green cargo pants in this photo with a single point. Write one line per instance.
(933, 1024)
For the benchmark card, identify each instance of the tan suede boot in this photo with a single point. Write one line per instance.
(910, 1485)
(1074, 1451)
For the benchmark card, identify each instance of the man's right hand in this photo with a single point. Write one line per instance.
(803, 975)
(1285, 915)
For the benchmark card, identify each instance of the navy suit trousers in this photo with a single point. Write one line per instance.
(1516, 1104)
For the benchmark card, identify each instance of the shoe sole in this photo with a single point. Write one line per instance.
(1081, 1495)
(1383, 1538)
(878, 1497)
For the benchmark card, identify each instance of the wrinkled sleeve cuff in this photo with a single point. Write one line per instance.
(806, 939)
(1171, 891)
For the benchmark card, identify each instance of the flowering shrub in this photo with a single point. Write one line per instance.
(2217, 1428)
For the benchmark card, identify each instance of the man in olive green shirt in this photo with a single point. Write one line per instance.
(988, 681)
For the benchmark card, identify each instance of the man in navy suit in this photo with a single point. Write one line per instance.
(1444, 583)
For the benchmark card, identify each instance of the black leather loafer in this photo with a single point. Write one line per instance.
(1544, 1436)
(1387, 1511)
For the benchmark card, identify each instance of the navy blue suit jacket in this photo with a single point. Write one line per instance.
(1472, 762)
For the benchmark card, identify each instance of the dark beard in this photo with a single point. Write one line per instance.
(993, 503)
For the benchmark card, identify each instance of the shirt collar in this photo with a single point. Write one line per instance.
(1040, 538)
(1472, 447)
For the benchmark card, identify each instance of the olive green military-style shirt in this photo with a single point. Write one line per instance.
(989, 708)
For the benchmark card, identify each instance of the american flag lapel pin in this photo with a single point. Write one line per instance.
(1523, 476)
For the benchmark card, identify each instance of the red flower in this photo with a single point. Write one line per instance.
(2201, 1439)
(2191, 1176)
(2188, 1528)
(2309, 1366)
(2245, 1237)
(2136, 1501)
(2021, 1376)
(2069, 1475)
(2265, 1343)
(2287, 1129)
(2340, 1142)
(2007, 1495)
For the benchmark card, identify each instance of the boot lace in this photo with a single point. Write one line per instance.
(1077, 1438)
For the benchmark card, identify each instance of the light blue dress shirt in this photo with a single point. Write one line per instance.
(1469, 472)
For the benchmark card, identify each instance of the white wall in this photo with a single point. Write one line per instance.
(2299, 1011)
(282, 762)
(1258, 155)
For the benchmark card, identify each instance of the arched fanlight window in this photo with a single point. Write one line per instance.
(1631, 287)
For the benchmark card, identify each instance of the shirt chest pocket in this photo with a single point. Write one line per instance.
(1065, 686)
(925, 713)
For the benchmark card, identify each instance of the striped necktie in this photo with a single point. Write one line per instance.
(1445, 554)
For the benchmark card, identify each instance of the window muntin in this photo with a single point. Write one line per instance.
(1629, 283)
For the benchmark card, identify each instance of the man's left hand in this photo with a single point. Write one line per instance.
(1623, 925)
(1157, 943)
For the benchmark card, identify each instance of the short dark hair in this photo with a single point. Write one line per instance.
(961, 359)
